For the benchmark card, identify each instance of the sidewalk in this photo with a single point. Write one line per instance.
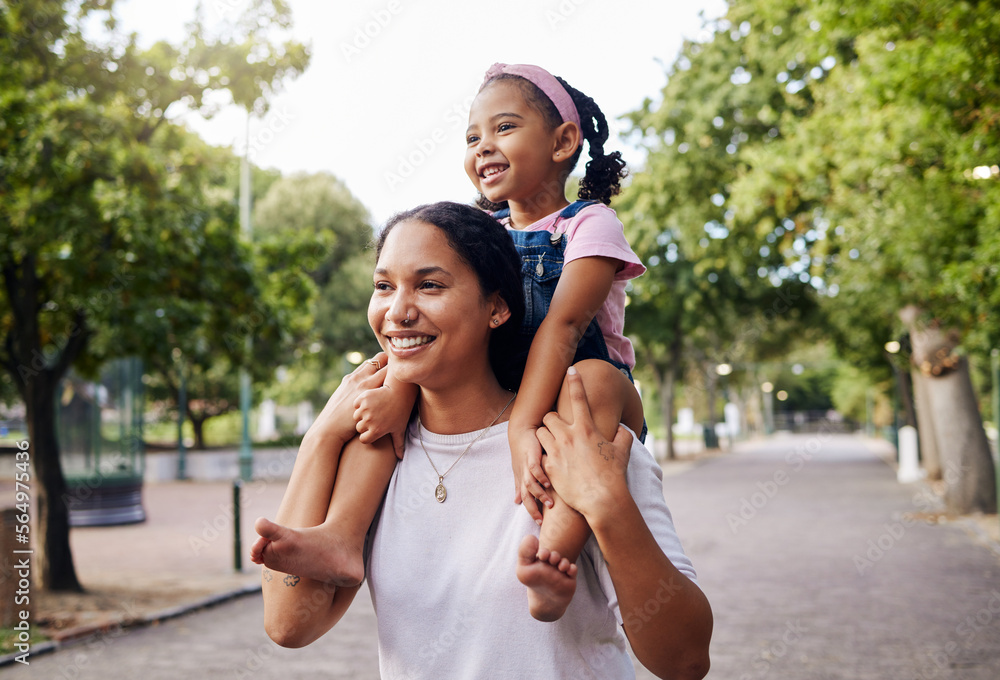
(180, 559)
(818, 565)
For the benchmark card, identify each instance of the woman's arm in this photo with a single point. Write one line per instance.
(582, 289)
(590, 474)
(297, 611)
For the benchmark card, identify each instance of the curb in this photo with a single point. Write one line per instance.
(973, 528)
(79, 634)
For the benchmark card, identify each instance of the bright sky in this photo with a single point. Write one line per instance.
(384, 102)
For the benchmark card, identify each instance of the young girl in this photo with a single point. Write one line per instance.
(525, 135)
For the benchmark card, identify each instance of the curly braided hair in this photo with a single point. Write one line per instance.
(603, 172)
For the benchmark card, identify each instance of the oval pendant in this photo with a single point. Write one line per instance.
(440, 493)
(539, 268)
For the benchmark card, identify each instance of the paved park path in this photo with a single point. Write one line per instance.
(818, 564)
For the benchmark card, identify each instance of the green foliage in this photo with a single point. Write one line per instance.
(851, 390)
(117, 232)
(846, 149)
(123, 220)
(320, 210)
(196, 338)
(883, 164)
(718, 288)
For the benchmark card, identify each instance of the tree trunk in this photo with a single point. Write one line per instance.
(667, 406)
(905, 387)
(54, 557)
(969, 475)
(198, 425)
(37, 375)
(970, 482)
(711, 389)
(930, 458)
(667, 384)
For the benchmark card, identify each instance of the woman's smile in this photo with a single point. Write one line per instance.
(407, 343)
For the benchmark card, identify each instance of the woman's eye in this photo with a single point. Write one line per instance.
(429, 285)
(381, 285)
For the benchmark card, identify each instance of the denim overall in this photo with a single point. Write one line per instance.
(542, 254)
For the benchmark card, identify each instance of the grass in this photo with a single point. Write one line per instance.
(221, 431)
(9, 637)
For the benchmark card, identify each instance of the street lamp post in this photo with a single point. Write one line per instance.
(246, 447)
(892, 349)
(995, 366)
(181, 409)
(725, 370)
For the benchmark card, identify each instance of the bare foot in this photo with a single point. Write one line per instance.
(314, 552)
(550, 578)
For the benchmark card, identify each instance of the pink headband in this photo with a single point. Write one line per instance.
(545, 82)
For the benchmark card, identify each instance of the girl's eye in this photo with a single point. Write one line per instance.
(503, 127)
(471, 139)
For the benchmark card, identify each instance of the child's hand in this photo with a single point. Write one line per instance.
(339, 415)
(529, 478)
(381, 411)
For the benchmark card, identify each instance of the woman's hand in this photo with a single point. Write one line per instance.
(337, 419)
(587, 470)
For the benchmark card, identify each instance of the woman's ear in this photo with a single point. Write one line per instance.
(567, 140)
(499, 311)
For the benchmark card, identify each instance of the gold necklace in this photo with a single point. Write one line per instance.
(441, 493)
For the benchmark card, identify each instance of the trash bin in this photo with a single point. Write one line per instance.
(104, 500)
(711, 439)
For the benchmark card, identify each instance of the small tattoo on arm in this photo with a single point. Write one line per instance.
(292, 581)
(268, 576)
(606, 456)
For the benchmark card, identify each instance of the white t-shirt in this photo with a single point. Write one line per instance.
(442, 574)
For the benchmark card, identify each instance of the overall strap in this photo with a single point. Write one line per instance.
(573, 208)
(569, 211)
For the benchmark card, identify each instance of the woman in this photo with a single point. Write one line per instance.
(444, 546)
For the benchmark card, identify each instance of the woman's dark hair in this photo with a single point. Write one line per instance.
(604, 172)
(483, 244)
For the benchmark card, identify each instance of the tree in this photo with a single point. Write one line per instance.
(188, 335)
(888, 158)
(717, 288)
(320, 210)
(98, 208)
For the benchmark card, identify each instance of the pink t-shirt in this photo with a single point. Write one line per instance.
(596, 231)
